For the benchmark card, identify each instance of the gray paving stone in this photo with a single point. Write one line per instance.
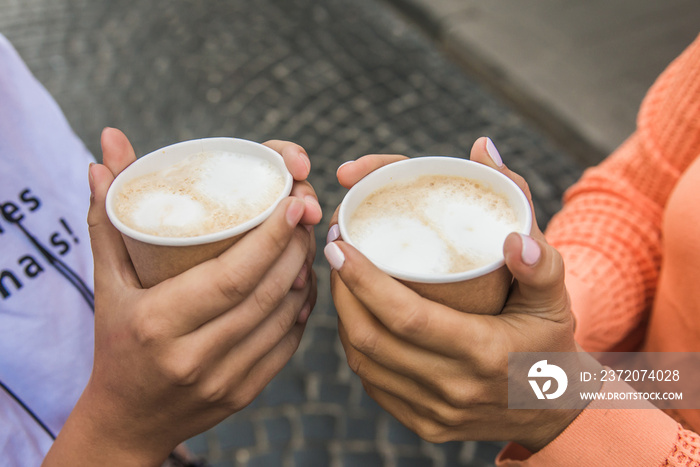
(452, 452)
(334, 393)
(366, 459)
(283, 390)
(403, 461)
(322, 337)
(311, 457)
(367, 403)
(400, 435)
(236, 434)
(278, 430)
(267, 459)
(487, 451)
(360, 428)
(322, 360)
(199, 445)
(318, 427)
(222, 463)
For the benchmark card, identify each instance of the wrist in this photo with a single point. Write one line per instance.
(97, 434)
(553, 422)
(551, 426)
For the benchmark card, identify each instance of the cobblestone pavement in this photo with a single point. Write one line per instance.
(342, 78)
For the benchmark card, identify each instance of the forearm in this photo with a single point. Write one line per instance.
(609, 302)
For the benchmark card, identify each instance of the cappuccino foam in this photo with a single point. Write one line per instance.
(434, 224)
(202, 194)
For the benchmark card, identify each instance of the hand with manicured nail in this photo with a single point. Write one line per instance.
(441, 372)
(174, 360)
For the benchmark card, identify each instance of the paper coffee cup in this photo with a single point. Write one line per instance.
(482, 289)
(157, 257)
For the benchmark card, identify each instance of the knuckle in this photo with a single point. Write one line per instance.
(562, 301)
(238, 400)
(412, 321)
(362, 339)
(355, 362)
(93, 224)
(453, 419)
(275, 240)
(432, 433)
(181, 370)
(456, 396)
(558, 265)
(269, 296)
(149, 329)
(492, 367)
(552, 278)
(285, 320)
(236, 404)
(451, 416)
(303, 238)
(232, 283)
(214, 392)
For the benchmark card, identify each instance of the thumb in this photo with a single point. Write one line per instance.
(110, 256)
(538, 270)
(117, 152)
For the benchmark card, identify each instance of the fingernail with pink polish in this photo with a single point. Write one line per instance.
(493, 153)
(333, 234)
(530, 252)
(334, 255)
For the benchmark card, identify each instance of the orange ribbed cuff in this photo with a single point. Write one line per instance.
(604, 437)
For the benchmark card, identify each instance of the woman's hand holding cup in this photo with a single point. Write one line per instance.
(442, 372)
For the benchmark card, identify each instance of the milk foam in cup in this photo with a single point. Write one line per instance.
(438, 224)
(188, 202)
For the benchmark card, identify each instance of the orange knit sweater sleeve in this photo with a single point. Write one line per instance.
(609, 230)
(609, 233)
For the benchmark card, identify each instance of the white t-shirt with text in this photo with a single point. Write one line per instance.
(46, 276)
